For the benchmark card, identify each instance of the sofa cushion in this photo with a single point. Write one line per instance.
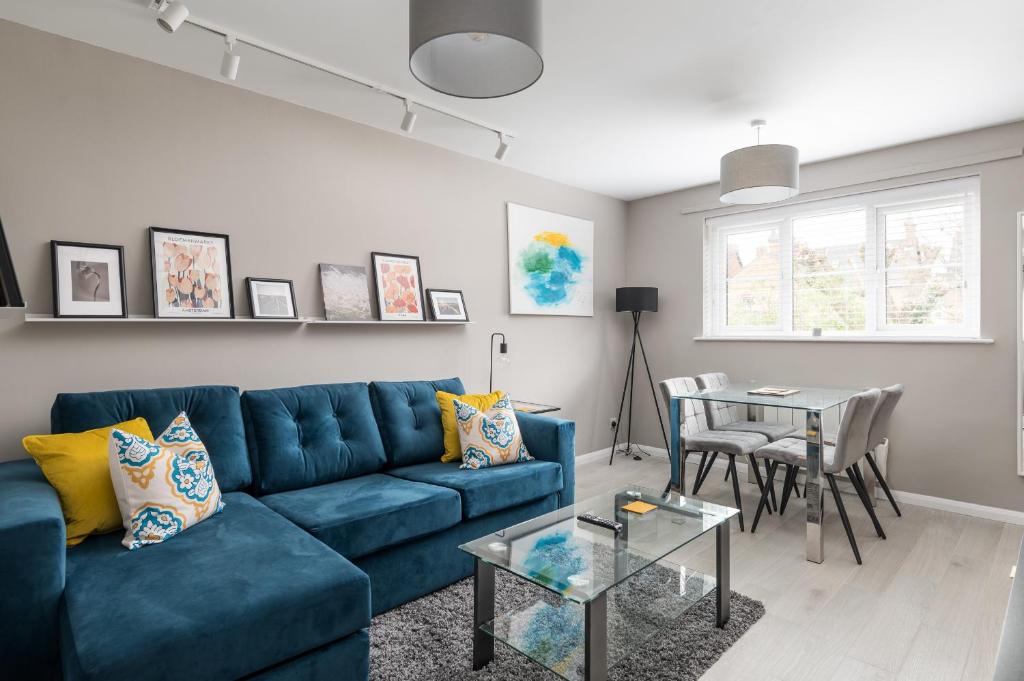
(410, 420)
(214, 411)
(358, 516)
(487, 490)
(235, 594)
(311, 435)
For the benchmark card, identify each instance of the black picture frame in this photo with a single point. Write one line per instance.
(58, 313)
(433, 308)
(249, 281)
(10, 292)
(374, 255)
(153, 231)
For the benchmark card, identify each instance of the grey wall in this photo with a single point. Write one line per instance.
(96, 146)
(954, 432)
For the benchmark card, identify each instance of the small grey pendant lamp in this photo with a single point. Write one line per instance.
(763, 173)
(475, 48)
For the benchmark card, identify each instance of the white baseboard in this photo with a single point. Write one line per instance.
(1003, 515)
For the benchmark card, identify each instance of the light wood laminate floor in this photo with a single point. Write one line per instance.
(927, 604)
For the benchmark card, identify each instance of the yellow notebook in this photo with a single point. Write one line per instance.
(640, 507)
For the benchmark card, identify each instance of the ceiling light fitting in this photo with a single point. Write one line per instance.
(763, 173)
(409, 119)
(171, 15)
(229, 64)
(475, 48)
(503, 144)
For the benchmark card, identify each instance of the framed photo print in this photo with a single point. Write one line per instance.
(271, 298)
(88, 280)
(399, 294)
(191, 274)
(447, 306)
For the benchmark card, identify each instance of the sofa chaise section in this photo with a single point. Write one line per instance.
(236, 594)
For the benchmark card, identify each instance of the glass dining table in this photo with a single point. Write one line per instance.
(814, 402)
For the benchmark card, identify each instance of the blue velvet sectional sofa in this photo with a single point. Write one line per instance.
(336, 508)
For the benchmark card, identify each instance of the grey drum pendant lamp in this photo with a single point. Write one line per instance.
(475, 48)
(763, 173)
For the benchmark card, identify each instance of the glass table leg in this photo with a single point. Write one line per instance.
(722, 574)
(814, 491)
(595, 661)
(483, 612)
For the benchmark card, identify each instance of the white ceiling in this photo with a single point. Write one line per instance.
(637, 98)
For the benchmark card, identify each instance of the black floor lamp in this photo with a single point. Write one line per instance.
(635, 300)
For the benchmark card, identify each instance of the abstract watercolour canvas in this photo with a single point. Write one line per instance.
(550, 263)
(346, 293)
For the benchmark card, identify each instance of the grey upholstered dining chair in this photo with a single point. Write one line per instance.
(880, 431)
(725, 416)
(697, 437)
(851, 444)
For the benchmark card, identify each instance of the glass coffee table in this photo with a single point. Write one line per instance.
(579, 565)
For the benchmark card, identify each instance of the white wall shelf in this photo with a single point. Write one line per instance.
(377, 322)
(144, 319)
(11, 312)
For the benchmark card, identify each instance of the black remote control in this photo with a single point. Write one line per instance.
(600, 522)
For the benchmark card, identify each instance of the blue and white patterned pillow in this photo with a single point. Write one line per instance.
(489, 438)
(162, 487)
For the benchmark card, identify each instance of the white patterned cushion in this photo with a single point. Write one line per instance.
(489, 438)
(162, 487)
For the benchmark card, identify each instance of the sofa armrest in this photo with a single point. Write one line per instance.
(32, 558)
(549, 439)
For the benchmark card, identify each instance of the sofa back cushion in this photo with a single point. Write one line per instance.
(214, 411)
(410, 420)
(311, 435)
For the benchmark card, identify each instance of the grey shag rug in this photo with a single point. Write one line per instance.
(661, 626)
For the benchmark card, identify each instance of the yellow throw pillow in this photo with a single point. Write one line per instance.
(452, 448)
(75, 464)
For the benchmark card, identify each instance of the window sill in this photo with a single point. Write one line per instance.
(852, 339)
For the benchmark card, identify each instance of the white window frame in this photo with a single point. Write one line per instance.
(876, 204)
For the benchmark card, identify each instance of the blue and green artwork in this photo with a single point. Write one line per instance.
(551, 268)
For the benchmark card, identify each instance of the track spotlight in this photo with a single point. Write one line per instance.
(172, 16)
(409, 119)
(502, 151)
(229, 64)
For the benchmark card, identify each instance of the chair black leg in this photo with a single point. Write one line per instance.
(757, 476)
(700, 468)
(881, 481)
(771, 489)
(772, 467)
(736, 488)
(727, 471)
(842, 516)
(787, 486)
(707, 469)
(858, 482)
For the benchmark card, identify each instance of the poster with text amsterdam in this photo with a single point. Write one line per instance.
(191, 274)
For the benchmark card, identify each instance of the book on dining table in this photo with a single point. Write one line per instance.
(773, 391)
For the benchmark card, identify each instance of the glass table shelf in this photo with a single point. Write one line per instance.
(550, 630)
(579, 561)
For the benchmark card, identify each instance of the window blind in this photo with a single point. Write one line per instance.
(901, 262)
